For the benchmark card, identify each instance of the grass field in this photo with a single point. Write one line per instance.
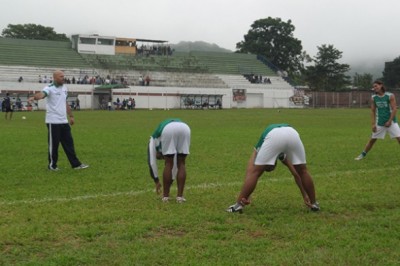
(109, 214)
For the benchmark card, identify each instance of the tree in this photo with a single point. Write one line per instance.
(32, 31)
(326, 73)
(273, 39)
(391, 73)
(363, 81)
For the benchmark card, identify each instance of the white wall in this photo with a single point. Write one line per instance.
(164, 97)
(96, 49)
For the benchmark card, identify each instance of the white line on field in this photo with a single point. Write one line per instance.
(200, 186)
(115, 194)
(126, 193)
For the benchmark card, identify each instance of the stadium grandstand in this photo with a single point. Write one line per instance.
(103, 68)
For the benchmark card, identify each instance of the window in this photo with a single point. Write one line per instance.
(102, 41)
(87, 40)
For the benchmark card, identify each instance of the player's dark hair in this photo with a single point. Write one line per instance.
(380, 82)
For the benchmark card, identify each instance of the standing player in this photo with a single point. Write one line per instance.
(8, 106)
(170, 140)
(278, 141)
(59, 131)
(383, 117)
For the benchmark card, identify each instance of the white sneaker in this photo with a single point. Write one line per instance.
(180, 200)
(82, 166)
(53, 169)
(315, 207)
(359, 157)
(165, 199)
(235, 208)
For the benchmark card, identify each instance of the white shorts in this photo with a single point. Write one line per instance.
(393, 130)
(175, 139)
(282, 139)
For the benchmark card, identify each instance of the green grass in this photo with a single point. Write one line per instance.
(109, 214)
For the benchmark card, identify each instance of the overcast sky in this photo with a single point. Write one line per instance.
(364, 30)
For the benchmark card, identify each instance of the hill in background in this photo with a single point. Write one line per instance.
(184, 46)
(374, 68)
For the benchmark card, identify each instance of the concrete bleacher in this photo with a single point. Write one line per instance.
(177, 63)
(168, 79)
(30, 59)
(240, 82)
(39, 53)
(31, 74)
(232, 63)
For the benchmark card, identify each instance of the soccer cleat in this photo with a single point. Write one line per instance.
(315, 207)
(235, 208)
(55, 169)
(359, 157)
(180, 200)
(165, 199)
(82, 166)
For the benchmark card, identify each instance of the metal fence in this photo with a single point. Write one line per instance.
(351, 99)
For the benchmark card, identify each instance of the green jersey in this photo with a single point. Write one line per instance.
(383, 108)
(157, 133)
(266, 131)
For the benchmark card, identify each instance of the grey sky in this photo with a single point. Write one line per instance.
(364, 30)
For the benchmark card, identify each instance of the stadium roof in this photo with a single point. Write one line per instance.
(110, 86)
(148, 40)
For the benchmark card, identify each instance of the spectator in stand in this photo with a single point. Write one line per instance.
(141, 81)
(40, 79)
(20, 79)
(267, 81)
(147, 79)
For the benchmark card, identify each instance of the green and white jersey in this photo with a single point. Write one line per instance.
(265, 133)
(383, 108)
(157, 133)
(155, 146)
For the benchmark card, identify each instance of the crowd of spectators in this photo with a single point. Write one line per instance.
(154, 50)
(91, 80)
(125, 104)
(98, 80)
(257, 79)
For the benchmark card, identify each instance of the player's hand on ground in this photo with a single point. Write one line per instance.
(158, 188)
(245, 201)
(307, 201)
